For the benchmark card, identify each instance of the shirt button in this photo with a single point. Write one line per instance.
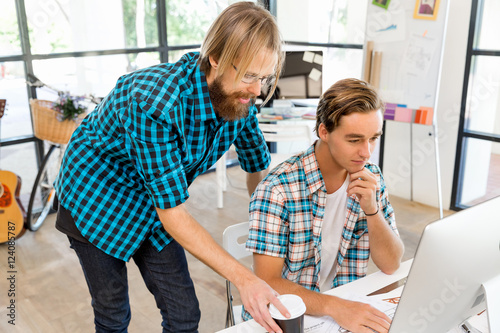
(158, 173)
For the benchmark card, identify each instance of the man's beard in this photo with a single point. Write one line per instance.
(228, 106)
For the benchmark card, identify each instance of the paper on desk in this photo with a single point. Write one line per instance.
(326, 324)
(392, 296)
(320, 324)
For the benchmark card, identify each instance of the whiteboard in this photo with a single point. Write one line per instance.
(411, 52)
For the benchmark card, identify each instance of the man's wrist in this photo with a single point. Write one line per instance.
(242, 276)
(378, 208)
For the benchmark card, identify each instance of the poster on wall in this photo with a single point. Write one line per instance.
(426, 9)
(383, 28)
(381, 3)
(418, 56)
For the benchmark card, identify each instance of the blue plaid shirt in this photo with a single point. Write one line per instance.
(286, 217)
(141, 148)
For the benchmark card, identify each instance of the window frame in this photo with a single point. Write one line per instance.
(163, 48)
(27, 58)
(464, 133)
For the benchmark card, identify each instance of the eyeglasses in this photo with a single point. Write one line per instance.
(250, 78)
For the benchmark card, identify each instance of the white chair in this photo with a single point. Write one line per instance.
(231, 243)
(286, 132)
(220, 175)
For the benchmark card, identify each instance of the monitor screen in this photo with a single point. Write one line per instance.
(301, 76)
(456, 255)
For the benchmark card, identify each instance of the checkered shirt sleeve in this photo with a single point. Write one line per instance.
(141, 149)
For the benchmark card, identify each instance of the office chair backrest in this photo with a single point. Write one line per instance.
(231, 243)
(230, 240)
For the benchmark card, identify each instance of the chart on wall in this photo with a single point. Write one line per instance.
(409, 47)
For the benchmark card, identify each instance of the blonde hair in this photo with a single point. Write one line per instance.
(241, 31)
(345, 97)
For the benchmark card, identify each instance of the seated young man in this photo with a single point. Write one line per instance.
(317, 217)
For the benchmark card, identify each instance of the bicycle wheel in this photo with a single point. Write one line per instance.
(42, 194)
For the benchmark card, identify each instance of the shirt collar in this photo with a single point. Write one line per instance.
(314, 178)
(199, 90)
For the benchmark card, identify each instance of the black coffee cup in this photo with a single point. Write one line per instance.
(297, 309)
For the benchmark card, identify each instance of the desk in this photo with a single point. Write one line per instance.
(293, 132)
(364, 286)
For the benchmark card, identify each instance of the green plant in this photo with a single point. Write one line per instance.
(69, 107)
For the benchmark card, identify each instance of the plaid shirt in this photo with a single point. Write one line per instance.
(141, 148)
(286, 215)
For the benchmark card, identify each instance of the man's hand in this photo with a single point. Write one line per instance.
(386, 248)
(256, 295)
(364, 184)
(360, 317)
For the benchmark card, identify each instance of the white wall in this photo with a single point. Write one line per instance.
(450, 90)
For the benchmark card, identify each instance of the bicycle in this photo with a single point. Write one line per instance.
(42, 196)
(43, 193)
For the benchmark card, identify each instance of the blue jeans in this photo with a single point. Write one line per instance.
(166, 276)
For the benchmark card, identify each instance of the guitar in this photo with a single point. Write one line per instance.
(12, 213)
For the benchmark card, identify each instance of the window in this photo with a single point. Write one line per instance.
(69, 26)
(477, 171)
(9, 32)
(337, 27)
(83, 47)
(187, 21)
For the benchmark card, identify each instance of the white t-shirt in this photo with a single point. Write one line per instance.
(331, 233)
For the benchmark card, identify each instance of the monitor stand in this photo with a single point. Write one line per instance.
(492, 291)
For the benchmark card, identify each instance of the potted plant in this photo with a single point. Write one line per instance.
(69, 107)
(56, 121)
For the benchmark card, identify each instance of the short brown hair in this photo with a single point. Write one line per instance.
(243, 29)
(345, 97)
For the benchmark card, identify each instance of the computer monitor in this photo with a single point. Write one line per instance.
(302, 75)
(455, 273)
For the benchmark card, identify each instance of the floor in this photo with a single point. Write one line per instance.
(50, 290)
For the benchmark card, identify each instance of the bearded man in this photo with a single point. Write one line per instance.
(127, 170)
